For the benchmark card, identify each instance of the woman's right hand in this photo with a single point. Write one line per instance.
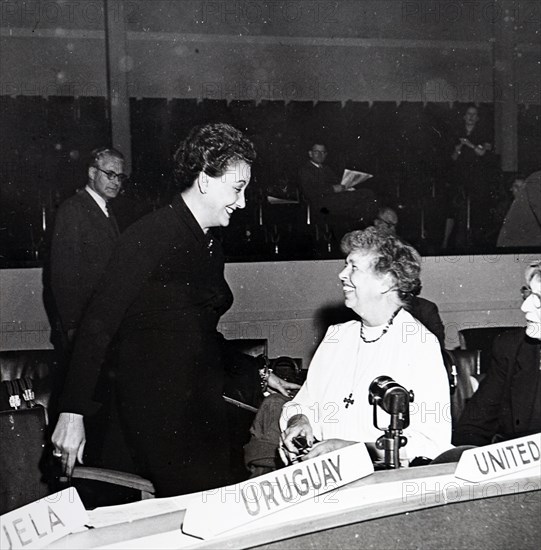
(69, 439)
(298, 425)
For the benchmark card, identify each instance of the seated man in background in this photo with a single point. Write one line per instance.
(316, 179)
(507, 404)
(331, 203)
(386, 220)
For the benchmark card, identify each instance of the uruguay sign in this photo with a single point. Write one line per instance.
(221, 510)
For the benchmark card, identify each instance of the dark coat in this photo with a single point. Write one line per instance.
(427, 312)
(82, 244)
(343, 211)
(317, 183)
(161, 297)
(507, 403)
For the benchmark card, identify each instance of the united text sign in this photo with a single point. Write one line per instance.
(500, 459)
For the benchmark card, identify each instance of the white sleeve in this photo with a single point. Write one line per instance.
(429, 432)
(309, 396)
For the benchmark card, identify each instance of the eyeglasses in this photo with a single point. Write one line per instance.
(526, 292)
(122, 178)
(387, 223)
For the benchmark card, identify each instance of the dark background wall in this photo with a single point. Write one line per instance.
(383, 82)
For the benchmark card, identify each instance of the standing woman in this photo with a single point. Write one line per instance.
(161, 299)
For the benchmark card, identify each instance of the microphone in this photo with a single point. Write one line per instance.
(394, 399)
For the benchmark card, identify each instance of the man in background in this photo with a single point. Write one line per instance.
(317, 180)
(386, 220)
(85, 235)
(84, 238)
(331, 204)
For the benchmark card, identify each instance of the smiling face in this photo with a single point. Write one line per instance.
(532, 308)
(99, 181)
(364, 289)
(224, 194)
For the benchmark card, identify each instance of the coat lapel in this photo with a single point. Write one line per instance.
(99, 219)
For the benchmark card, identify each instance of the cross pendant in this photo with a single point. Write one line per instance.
(348, 401)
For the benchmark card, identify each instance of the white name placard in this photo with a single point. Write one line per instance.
(500, 459)
(39, 523)
(226, 508)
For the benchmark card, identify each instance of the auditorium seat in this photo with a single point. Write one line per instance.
(463, 370)
(214, 110)
(481, 338)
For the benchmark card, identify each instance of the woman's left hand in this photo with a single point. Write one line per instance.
(327, 446)
(281, 386)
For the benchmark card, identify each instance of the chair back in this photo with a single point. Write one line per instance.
(480, 338)
(24, 397)
(463, 370)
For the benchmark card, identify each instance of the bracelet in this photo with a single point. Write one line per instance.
(264, 374)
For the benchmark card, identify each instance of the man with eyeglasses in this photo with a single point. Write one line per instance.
(84, 238)
(386, 220)
(507, 404)
(85, 235)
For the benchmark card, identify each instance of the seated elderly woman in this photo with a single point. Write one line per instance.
(332, 409)
(507, 404)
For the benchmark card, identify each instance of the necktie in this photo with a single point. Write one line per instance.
(112, 219)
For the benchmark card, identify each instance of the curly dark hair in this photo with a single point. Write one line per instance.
(210, 149)
(392, 255)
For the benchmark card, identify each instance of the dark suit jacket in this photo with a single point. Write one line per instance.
(317, 183)
(507, 403)
(82, 244)
(427, 312)
(344, 211)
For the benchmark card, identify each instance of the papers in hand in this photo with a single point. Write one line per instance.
(278, 200)
(351, 178)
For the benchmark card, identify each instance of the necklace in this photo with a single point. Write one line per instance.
(349, 400)
(387, 326)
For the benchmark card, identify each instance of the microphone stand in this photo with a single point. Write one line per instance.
(393, 399)
(392, 439)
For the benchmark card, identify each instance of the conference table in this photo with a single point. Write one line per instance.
(420, 507)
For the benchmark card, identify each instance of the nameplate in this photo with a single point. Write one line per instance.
(226, 508)
(39, 523)
(500, 459)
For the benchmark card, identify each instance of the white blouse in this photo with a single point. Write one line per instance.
(343, 368)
